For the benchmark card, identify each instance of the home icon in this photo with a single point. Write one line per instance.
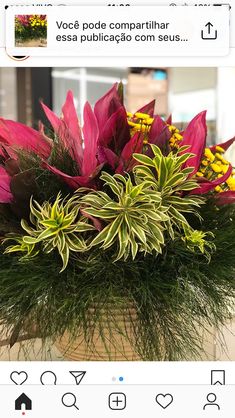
(23, 400)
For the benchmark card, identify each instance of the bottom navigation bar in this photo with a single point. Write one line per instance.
(103, 401)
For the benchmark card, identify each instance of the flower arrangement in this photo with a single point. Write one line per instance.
(29, 27)
(126, 214)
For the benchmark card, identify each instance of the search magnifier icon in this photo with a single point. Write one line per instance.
(69, 400)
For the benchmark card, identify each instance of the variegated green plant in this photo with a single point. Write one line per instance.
(166, 176)
(199, 240)
(133, 216)
(56, 226)
(29, 251)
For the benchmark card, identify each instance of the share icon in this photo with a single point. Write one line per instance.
(78, 376)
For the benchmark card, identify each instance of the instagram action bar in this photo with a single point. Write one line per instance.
(96, 31)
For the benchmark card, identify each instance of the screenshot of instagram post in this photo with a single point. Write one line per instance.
(117, 209)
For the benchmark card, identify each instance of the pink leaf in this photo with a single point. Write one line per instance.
(156, 129)
(106, 155)
(71, 121)
(74, 182)
(91, 134)
(127, 162)
(224, 145)
(42, 132)
(106, 106)
(96, 222)
(18, 135)
(148, 108)
(195, 136)
(159, 135)
(5, 187)
(116, 132)
(169, 120)
(52, 117)
(67, 129)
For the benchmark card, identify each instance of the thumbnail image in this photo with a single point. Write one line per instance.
(31, 31)
(117, 214)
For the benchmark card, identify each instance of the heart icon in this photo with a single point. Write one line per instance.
(164, 400)
(18, 377)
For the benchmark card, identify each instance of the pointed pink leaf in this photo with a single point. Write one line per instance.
(169, 120)
(159, 135)
(17, 135)
(116, 132)
(67, 129)
(148, 108)
(224, 145)
(70, 117)
(5, 187)
(127, 162)
(134, 145)
(195, 136)
(54, 120)
(91, 134)
(107, 156)
(106, 106)
(156, 129)
(95, 221)
(72, 124)
(74, 182)
(42, 132)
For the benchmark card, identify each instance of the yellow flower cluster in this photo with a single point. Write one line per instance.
(142, 122)
(213, 166)
(176, 137)
(36, 20)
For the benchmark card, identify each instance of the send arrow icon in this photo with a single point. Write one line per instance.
(78, 376)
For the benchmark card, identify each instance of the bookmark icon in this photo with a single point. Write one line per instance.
(218, 377)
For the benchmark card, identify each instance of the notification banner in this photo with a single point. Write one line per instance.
(101, 31)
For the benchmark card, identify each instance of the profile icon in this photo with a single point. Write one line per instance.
(211, 398)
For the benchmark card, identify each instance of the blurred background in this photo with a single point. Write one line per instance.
(181, 91)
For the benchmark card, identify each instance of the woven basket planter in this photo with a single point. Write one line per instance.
(111, 338)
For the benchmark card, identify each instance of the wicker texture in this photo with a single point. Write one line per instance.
(111, 338)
